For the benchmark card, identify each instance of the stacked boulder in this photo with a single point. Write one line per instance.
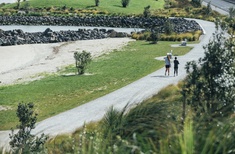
(18, 37)
(180, 24)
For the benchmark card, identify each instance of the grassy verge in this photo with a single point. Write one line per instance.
(56, 94)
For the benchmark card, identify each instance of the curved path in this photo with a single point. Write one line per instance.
(134, 93)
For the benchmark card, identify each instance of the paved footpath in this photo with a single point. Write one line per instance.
(132, 94)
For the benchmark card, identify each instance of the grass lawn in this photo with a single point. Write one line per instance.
(111, 6)
(58, 93)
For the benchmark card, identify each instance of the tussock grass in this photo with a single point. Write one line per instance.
(169, 93)
(154, 126)
(148, 122)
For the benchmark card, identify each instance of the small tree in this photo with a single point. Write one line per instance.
(169, 27)
(97, 2)
(208, 10)
(23, 141)
(26, 6)
(147, 12)
(125, 3)
(231, 12)
(18, 4)
(210, 84)
(197, 3)
(154, 36)
(82, 59)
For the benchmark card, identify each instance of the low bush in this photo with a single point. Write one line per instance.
(125, 3)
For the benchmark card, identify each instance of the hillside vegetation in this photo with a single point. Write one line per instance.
(88, 6)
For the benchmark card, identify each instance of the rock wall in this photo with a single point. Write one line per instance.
(14, 37)
(17, 37)
(180, 24)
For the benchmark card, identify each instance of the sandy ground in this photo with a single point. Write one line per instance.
(24, 63)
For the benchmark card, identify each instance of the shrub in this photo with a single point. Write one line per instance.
(97, 2)
(197, 3)
(141, 36)
(154, 37)
(168, 27)
(179, 38)
(135, 36)
(188, 9)
(71, 9)
(81, 60)
(211, 80)
(64, 7)
(147, 12)
(7, 13)
(208, 9)
(146, 35)
(125, 3)
(23, 141)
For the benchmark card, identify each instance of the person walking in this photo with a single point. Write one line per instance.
(176, 63)
(167, 64)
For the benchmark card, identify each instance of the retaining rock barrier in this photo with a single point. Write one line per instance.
(18, 37)
(14, 37)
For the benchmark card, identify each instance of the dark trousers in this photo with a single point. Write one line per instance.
(176, 70)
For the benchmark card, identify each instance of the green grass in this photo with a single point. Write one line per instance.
(111, 6)
(55, 94)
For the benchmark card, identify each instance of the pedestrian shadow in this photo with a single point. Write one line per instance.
(68, 75)
(162, 76)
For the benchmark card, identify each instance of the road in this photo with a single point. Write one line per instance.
(220, 4)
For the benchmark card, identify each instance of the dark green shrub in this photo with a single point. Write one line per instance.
(154, 36)
(64, 7)
(197, 3)
(142, 37)
(147, 12)
(208, 10)
(71, 9)
(211, 80)
(82, 60)
(188, 9)
(231, 12)
(125, 3)
(23, 141)
(168, 27)
(97, 2)
(179, 38)
(146, 35)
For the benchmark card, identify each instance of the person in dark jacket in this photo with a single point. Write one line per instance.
(176, 63)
